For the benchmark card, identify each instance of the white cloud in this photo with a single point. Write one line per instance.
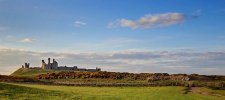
(150, 21)
(124, 61)
(3, 47)
(27, 40)
(79, 23)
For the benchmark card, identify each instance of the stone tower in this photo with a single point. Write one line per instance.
(27, 65)
(54, 64)
(49, 64)
(44, 65)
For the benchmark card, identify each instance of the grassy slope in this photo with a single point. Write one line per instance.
(25, 91)
(13, 92)
(30, 72)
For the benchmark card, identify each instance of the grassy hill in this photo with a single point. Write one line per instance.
(30, 72)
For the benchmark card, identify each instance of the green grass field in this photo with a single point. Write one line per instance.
(46, 92)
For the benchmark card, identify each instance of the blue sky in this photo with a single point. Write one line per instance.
(109, 26)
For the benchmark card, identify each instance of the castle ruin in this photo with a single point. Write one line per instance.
(27, 65)
(54, 66)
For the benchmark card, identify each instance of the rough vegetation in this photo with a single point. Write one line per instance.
(132, 76)
(4, 78)
(104, 78)
(134, 79)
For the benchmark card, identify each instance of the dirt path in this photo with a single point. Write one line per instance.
(204, 91)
